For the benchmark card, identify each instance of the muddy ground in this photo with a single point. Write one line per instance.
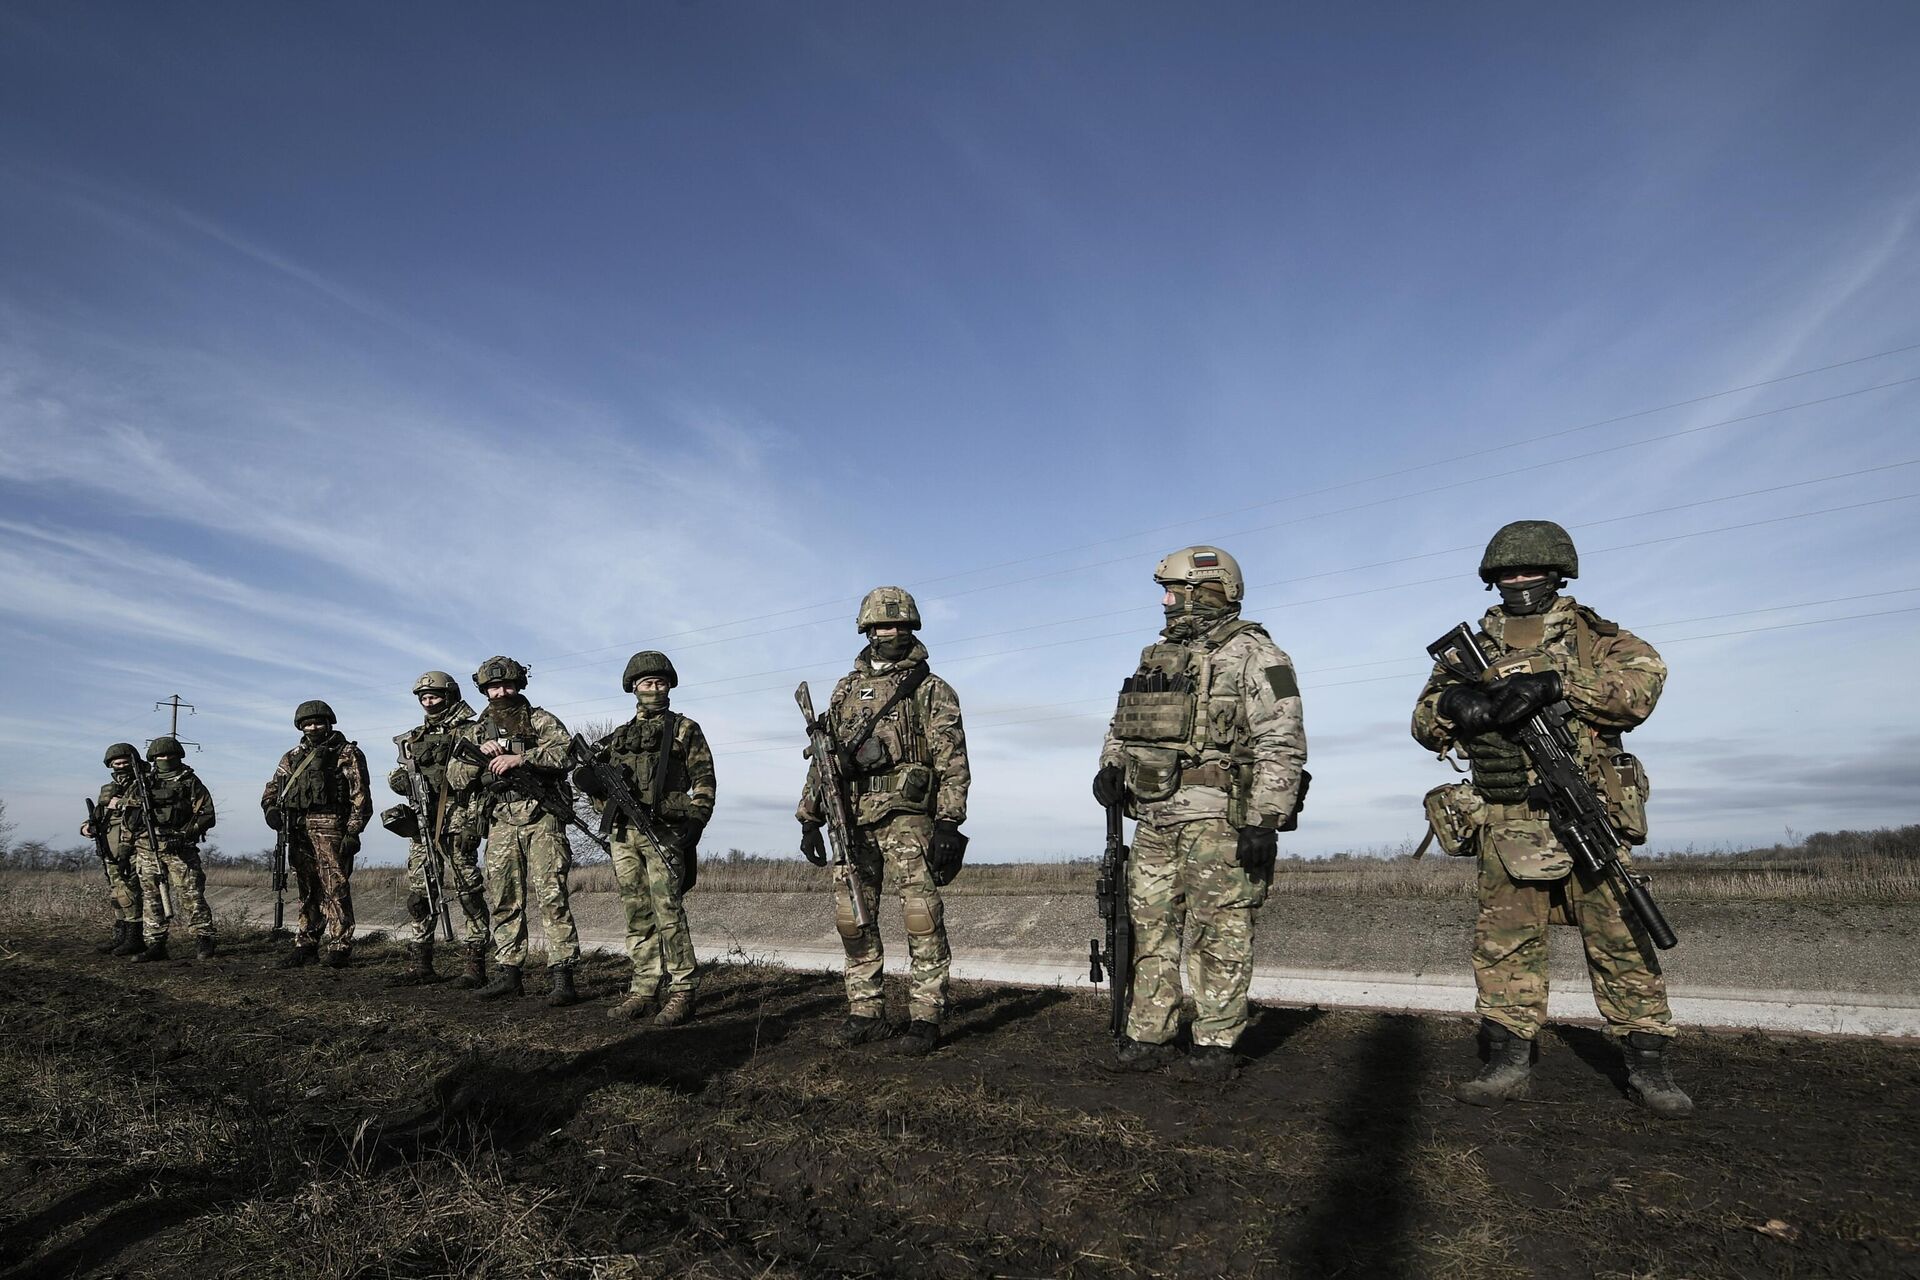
(207, 1119)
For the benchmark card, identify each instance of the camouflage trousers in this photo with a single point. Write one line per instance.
(897, 844)
(527, 853)
(123, 875)
(321, 870)
(1510, 952)
(459, 880)
(1184, 880)
(658, 938)
(178, 863)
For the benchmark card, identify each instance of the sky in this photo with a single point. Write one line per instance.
(340, 343)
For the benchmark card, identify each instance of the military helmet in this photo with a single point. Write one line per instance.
(500, 669)
(885, 605)
(437, 682)
(1191, 566)
(649, 662)
(314, 709)
(1530, 544)
(164, 746)
(118, 750)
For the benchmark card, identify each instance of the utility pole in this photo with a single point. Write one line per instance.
(174, 706)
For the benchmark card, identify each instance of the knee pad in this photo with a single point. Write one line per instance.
(843, 916)
(417, 906)
(923, 916)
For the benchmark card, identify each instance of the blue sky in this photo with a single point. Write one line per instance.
(341, 343)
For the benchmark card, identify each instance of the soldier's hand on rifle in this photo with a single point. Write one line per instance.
(86, 829)
(813, 845)
(1469, 708)
(275, 819)
(350, 843)
(500, 765)
(1518, 697)
(1256, 850)
(948, 850)
(491, 747)
(1109, 786)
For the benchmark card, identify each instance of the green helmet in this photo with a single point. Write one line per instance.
(1530, 544)
(885, 605)
(649, 662)
(437, 682)
(119, 749)
(164, 746)
(500, 669)
(314, 709)
(1190, 566)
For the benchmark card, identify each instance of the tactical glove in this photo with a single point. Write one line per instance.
(275, 819)
(812, 846)
(1469, 707)
(1256, 850)
(1517, 697)
(349, 844)
(944, 856)
(587, 782)
(1109, 786)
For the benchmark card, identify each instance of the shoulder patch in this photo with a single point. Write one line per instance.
(1600, 625)
(1282, 681)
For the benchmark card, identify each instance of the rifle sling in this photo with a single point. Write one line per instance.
(908, 685)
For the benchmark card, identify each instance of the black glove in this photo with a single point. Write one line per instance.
(812, 847)
(948, 850)
(1109, 786)
(1518, 697)
(689, 868)
(1469, 707)
(349, 844)
(587, 782)
(1257, 849)
(275, 818)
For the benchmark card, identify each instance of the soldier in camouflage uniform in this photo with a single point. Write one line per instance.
(442, 833)
(1208, 751)
(319, 794)
(520, 764)
(113, 811)
(1545, 648)
(907, 777)
(166, 849)
(669, 768)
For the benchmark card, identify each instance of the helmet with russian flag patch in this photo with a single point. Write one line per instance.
(1191, 566)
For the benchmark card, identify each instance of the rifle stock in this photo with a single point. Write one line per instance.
(833, 797)
(1116, 914)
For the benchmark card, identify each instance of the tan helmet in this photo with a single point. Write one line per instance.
(437, 682)
(888, 605)
(500, 669)
(1192, 565)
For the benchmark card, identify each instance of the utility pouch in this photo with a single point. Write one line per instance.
(402, 821)
(1240, 795)
(872, 757)
(1457, 812)
(1154, 716)
(908, 789)
(1152, 773)
(916, 786)
(1624, 781)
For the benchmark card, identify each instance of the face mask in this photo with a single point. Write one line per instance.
(651, 699)
(123, 775)
(315, 737)
(1537, 597)
(892, 648)
(166, 764)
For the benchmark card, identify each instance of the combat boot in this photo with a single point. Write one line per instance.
(506, 982)
(419, 966)
(475, 974)
(1509, 1060)
(302, 954)
(152, 953)
(634, 1007)
(205, 948)
(562, 993)
(677, 1009)
(862, 1029)
(918, 1040)
(1649, 1082)
(338, 957)
(134, 943)
(1137, 1055)
(1210, 1064)
(119, 936)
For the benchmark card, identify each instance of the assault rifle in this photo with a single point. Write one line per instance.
(831, 788)
(278, 868)
(1116, 913)
(432, 833)
(97, 819)
(1575, 811)
(532, 785)
(621, 802)
(147, 824)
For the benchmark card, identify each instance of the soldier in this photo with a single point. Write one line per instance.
(112, 825)
(1554, 650)
(318, 793)
(1207, 751)
(898, 725)
(168, 849)
(668, 766)
(520, 764)
(427, 747)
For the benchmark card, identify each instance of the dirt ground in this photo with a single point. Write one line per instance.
(222, 1118)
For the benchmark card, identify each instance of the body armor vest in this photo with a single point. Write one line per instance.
(313, 780)
(172, 799)
(636, 747)
(1175, 733)
(512, 725)
(431, 746)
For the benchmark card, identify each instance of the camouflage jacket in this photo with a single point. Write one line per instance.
(687, 800)
(1245, 714)
(533, 733)
(342, 770)
(918, 749)
(1610, 677)
(118, 803)
(430, 745)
